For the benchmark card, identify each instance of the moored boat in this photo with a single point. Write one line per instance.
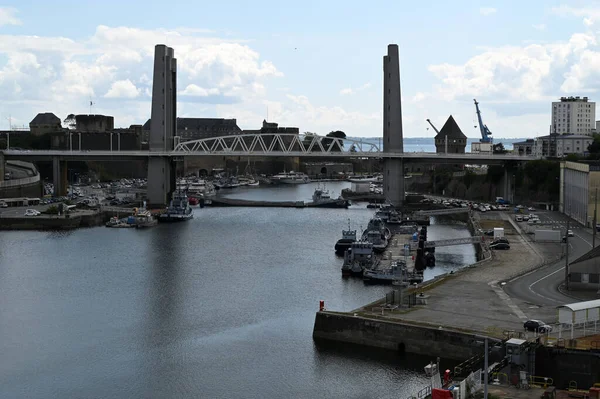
(348, 237)
(359, 257)
(179, 209)
(290, 177)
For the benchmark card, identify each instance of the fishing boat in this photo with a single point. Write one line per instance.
(144, 219)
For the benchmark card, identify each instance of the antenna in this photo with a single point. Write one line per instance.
(9, 122)
(91, 103)
(267, 113)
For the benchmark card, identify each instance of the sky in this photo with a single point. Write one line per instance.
(316, 65)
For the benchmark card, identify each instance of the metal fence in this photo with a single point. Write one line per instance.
(471, 384)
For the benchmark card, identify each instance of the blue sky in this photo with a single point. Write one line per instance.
(312, 64)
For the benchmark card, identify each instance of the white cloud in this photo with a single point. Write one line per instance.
(590, 15)
(349, 91)
(7, 16)
(539, 26)
(197, 91)
(519, 73)
(60, 74)
(487, 10)
(122, 89)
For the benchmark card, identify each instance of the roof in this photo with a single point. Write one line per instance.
(451, 130)
(565, 136)
(594, 253)
(201, 123)
(581, 305)
(526, 142)
(516, 341)
(46, 118)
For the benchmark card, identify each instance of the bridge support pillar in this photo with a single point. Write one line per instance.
(160, 181)
(393, 181)
(393, 173)
(59, 177)
(2, 162)
(507, 186)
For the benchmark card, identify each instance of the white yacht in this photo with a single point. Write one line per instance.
(290, 177)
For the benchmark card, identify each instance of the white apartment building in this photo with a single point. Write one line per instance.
(559, 145)
(573, 115)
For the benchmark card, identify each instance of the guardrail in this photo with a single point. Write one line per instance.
(19, 182)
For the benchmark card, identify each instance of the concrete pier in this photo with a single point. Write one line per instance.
(393, 169)
(450, 313)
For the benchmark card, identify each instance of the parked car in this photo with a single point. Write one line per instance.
(519, 218)
(537, 326)
(32, 212)
(570, 233)
(525, 218)
(500, 240)
(531, 208)
(500, 245)
(3, 204)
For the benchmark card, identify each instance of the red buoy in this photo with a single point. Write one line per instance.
(321, 306)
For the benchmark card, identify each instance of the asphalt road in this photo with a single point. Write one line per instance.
(540, 287)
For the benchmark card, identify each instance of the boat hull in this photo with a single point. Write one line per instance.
(174, 218)
(342, 245)
(329, 204)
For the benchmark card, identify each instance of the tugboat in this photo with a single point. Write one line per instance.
(358, 258)
(322, 199)
(179, 209)
(344, 243)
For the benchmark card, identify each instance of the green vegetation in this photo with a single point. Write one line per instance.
(51, 210)
(327, 142)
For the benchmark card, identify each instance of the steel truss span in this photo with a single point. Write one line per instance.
(280, 143)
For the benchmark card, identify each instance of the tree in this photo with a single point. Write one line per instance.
(327, 142)
(70, 122)
(308, 138)
(498, 148)
(594, 148)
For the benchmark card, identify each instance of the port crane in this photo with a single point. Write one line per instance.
(485, 132)
(437, 131)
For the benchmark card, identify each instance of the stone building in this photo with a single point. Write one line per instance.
(199, 128)
(450, 139)
(94, 123)
(45, 122)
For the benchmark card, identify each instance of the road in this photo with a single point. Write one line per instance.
(540, 287)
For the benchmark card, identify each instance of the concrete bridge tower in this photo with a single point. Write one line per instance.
(393, 170)
(163, 125)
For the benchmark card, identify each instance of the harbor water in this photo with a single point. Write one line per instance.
(221, 306)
